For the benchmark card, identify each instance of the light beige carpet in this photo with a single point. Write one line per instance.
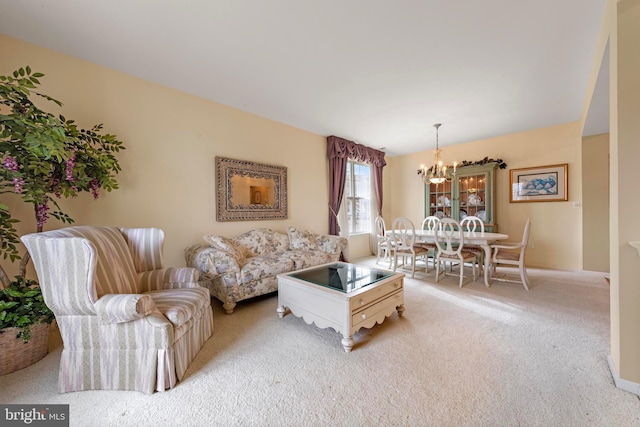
(475, 356)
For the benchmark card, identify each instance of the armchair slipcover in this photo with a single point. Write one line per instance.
(127, 323)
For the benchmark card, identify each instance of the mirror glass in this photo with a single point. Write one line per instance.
(248, 191)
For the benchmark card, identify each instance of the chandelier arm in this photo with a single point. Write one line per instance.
(437, 174)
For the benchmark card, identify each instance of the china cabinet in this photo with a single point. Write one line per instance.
(470, 191)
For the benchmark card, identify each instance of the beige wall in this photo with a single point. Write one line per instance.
(621, 32)
(595, 202)
(625, 175)
(171, 140)
(556, 230)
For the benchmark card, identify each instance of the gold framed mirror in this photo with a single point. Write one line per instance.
(249, 191)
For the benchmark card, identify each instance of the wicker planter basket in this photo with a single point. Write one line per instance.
(15, 354)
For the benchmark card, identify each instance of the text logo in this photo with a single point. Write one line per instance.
(34, 415)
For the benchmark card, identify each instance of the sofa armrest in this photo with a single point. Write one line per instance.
(120, 308)
(211, 261)
(168, 278)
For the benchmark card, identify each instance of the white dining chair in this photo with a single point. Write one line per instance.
(404, 236)
(451, 249)
(474, 224)
(512, 254)
(430, 223)
(384, 242)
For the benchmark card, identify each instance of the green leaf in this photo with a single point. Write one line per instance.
(5, 305)
(43, 142)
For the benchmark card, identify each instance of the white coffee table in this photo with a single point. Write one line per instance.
(342, 296)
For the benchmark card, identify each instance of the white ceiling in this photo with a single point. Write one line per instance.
(377, 72)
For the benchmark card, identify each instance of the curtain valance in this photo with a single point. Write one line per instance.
(342, 148)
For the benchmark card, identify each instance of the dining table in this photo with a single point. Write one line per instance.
(480, 238)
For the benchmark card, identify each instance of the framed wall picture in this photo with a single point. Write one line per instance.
(539, 184)
(249, 191)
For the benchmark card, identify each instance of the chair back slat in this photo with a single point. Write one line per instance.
(472, 224)
(525, 237)
(403, 233)
(380, 227)
(430, 223)
(449, 237)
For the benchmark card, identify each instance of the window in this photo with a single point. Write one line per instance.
(357, 193)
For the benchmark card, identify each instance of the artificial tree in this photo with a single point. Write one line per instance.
(45, 157)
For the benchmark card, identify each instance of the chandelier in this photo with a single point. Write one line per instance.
(436, 174)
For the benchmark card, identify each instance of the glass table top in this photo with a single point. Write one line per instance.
(342, 276)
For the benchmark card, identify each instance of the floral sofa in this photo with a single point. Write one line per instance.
(235, 269)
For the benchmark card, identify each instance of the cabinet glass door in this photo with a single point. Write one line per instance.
(473, 196)
(440, 200)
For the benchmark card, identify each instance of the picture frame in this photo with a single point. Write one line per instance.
(250, 191)
(539, 184)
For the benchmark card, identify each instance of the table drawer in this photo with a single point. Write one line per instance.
(374, 294)
(369, 312)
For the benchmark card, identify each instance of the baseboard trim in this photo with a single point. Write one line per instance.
(571, 270)
(621, 383)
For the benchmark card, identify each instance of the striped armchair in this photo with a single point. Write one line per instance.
(127, 323)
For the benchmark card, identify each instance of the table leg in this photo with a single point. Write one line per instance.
(487, 263)
(400, 310)
(347, 343)
(281, 311)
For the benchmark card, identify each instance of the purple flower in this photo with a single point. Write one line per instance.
(94, 186)
(69, 167)
(55, 188)
(41, 214)
(11, 163)
(18, 183)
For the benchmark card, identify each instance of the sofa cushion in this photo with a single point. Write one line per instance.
(303, 259)
(302, 239)
(180, 305)
(333, 245)
(262, 266)
(235, 248)
(263, 241)
(276, 242)
(253, 240)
